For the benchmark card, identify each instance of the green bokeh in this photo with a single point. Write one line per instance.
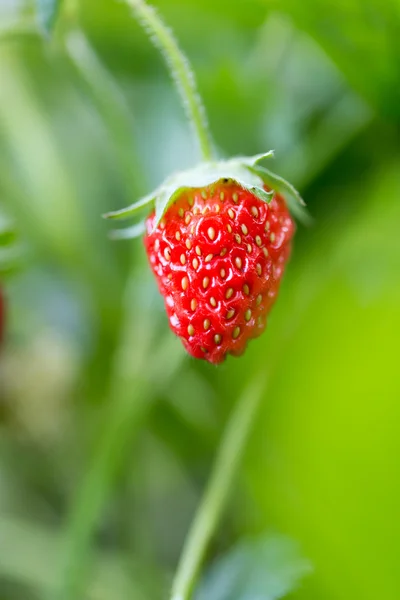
(107, 429)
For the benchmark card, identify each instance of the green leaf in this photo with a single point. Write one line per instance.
(7, 236)
(262, 194)
(212, 173)
(267, 568)
(250, 161)
(47, 11)
(11, 253)
(293, 198)
(278, 183)
(243, 171)
(361, 38)
(133, 209)
(128, 233)
(171, 194)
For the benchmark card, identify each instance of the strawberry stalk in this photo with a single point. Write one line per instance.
(180, 70)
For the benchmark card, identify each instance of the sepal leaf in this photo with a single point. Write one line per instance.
(262, 194)
(250, 161)
(294, 200)
(133, 209)
(278, 183)
(244, 171)
(128, 233)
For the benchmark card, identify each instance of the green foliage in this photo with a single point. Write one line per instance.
(11, 253)
(267, 568)
(107, 430)
(47, 11)
(353, 32)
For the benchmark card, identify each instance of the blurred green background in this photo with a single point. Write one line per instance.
(107, 429)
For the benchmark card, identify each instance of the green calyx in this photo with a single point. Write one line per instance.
(243, 171)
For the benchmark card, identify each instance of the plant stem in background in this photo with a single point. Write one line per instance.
(180, 69)
(112, 106)
(209, 512)
(128, 405)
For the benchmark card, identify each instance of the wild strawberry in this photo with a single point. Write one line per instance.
(218, 256)
(218, 246)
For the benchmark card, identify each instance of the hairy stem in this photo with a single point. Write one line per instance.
(180, 70)
(217, 491)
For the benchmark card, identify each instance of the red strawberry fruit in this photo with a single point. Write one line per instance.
(218, 247)
(218, 256)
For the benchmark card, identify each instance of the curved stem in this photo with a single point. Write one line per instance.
(180, 69)
(217, 491)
